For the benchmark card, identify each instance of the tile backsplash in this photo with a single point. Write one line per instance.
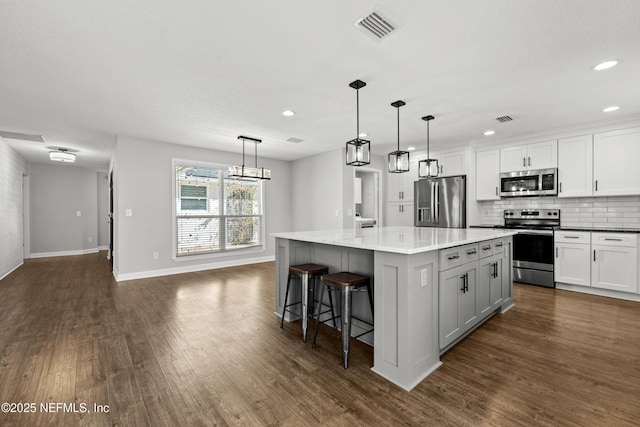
(597, 212)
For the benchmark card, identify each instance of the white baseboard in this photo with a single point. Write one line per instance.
(103, 248)
(600, 292)
(64, 253)
(12, 270)
(189, 269)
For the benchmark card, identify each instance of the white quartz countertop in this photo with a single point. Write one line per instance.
(402, 240)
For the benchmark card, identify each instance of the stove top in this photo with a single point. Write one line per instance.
(532, 219)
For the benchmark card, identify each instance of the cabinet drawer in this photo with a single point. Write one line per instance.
(498, 246)
(583, 237)
(486, 249)
(615, 239)
(453, 257)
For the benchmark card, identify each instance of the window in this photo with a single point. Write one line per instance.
(214, 212)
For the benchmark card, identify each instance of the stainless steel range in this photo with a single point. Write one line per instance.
(533, 245)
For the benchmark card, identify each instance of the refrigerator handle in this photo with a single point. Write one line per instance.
(433, 201)
(437, 205)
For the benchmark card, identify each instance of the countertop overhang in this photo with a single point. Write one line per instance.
(401, 240)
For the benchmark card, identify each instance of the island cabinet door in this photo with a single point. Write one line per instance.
(497, 283)
(457, 305)
(486, 269)
(451, 284)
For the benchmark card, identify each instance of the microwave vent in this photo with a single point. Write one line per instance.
(504, 119)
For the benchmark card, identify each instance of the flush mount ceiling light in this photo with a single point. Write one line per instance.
(489, 132)
(398, 160)
(606, 65)
(358, 149)
(428, 168)
(62, 155)
(610, 109)
(288, 113)
(247, 172)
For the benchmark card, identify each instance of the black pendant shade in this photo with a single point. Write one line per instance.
(398, 161)
(428, 168)
(358, 150)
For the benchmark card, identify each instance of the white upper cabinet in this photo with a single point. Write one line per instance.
(575, 166)
(541, 155)
(452, 163)
(488, 175)
(615, 163)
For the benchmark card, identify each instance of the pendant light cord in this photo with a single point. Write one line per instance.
(398, 108)
(357, 113)
(428, 139)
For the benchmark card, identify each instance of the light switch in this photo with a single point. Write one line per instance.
(78, 213)
(349, 212)
(128, 212)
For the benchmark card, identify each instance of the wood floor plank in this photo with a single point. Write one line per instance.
(205, 349)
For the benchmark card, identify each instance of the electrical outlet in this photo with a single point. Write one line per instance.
(90, 239)
(128, 212)
(423, 278)
(156, 255)
(78, 213)
(337, 212)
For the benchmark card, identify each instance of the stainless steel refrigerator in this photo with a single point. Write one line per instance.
(441, 202)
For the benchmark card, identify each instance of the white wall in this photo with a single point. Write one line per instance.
(317, 191)
(103, 209)
(12, 167)
(143, 181)
(57, 193)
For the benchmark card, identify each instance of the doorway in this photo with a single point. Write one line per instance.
(367, 197)
(110, 254)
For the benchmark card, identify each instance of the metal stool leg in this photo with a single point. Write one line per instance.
(333, 314)
(370, 300)
(346, 324)
(315, 333)
(286, 297)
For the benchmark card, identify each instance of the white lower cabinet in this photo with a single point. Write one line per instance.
(471, 289)
(599, 260)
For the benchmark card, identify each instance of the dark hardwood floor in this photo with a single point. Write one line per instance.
(206, 349)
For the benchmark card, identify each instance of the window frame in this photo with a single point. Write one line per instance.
(175, 162)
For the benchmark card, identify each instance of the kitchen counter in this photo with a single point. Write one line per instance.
(399, 240)
(601, 230)
(404, 263)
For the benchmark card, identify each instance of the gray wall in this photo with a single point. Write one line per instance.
(143, 182)
(57, 193)
(103, 209)
(12, 167)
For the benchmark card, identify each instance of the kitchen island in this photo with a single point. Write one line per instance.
(429, 286)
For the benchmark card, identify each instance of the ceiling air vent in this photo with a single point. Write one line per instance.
(504, 119)
(295, 140)
(21, 136)
(376, 25)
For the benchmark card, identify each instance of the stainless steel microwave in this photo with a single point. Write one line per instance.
(541, 182)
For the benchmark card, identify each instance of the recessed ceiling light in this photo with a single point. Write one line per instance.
(411, 148)
(489, 132)
(606, 65)
(610, 109)
(288, 113)
(363, 135)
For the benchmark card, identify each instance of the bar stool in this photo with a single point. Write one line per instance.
(304, 272)
(346, 283)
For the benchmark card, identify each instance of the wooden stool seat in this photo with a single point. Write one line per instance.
(309, 269)
(345, 279)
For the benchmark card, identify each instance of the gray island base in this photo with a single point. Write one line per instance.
(432, 286)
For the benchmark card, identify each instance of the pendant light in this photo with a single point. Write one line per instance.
(398, 160)
(358, 150)
(428, 168)
(247, 172)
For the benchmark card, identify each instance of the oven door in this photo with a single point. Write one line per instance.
(533, 249)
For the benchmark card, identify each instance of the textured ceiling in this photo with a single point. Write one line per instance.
(200, 73)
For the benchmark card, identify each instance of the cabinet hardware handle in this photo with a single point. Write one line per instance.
(524, 161)
(594, 255)
(486, 248)
(612, 239)
(496, 276)
(496, 191)
(529, 161)
(463, 287)
(452, 257)
(498, 245)
(472, 252)
(560, 187)
(556, 252)
(596, 185)
(571, 237)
